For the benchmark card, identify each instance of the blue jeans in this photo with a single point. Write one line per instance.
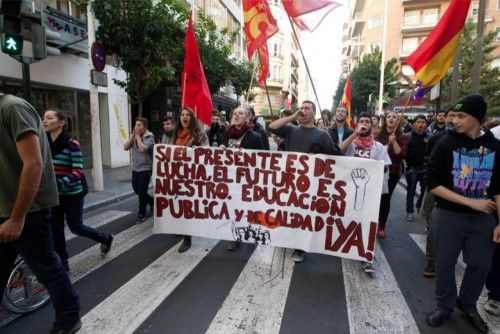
(414, 176)
(71, 207)
(35, 246)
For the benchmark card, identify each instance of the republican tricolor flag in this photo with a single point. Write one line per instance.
(308, 15)
(346, 100)
(432, 59)
(260, 25)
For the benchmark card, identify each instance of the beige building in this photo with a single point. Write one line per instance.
(283, 66)
(410, 21)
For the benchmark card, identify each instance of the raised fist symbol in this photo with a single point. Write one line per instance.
(360, 178)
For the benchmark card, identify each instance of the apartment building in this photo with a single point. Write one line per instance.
(284, 67)
(409, 23)
(63, 81)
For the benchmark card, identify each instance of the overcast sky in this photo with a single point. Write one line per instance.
(322, 49)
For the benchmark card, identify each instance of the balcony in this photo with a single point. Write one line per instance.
(403, 53)
(417, 25)
(474, 12)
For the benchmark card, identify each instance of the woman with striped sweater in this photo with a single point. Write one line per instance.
(68, 167)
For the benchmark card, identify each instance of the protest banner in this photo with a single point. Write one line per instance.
(317, 203)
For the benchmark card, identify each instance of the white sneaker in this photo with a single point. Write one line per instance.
(409, 217)
(492, 306)
(298, 255)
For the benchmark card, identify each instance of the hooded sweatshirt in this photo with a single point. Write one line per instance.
(466, 166)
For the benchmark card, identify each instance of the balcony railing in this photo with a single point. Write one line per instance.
(411, 25)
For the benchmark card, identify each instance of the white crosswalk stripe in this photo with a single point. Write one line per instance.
(375, 303)
(493, 322)
(98, 220)
(129, 306)
(257, 300)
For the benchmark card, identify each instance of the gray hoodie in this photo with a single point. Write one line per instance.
(143, 161)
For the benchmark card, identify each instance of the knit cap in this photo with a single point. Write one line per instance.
(473, 105)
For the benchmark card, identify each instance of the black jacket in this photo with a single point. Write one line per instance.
(334, 132)
(215, 135)
(251, 140)
(263, 135)
(466, 166)
(415, 155)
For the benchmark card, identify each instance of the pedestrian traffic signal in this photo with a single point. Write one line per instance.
(12, 43)
(40, 35)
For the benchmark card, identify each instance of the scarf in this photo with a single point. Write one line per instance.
(365, 143)
(183, 137)
(234, 133)
(61, 142)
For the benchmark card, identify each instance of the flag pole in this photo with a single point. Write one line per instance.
(267, 89)
(251, 84)
(305, 62)
(184, 88)
(382, 60)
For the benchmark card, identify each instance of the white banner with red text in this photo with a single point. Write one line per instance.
(317, 203)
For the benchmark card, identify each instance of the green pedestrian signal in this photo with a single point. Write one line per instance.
(12, 43)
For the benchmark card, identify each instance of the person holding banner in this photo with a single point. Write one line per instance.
(189, 133)
(464, 175)
(240, 135)
(395, 141)
(304, 138)
(362, 144)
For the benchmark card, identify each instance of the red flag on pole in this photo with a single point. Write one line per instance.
(195, 92)
(308, 15)
(260, 25)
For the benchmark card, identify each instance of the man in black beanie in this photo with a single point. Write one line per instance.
(464, 174)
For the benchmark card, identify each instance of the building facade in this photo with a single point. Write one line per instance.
(283, 66)
(409, 23)
(63, 81)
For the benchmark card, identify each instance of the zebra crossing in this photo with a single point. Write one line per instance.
(145, 285)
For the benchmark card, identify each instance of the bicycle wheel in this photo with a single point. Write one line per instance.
(23, 292)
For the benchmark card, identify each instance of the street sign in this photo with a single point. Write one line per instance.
(98, 56)
(99, 78)
(12, 43)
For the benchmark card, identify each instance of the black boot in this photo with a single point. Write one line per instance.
(186, 244)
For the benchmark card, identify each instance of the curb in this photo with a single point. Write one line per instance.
(104, 202)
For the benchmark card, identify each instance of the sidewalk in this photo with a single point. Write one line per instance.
(117, 187)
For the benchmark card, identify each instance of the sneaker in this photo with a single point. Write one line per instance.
(429, 271)
(298, 255)
(381, 233)
(186, 244)
(409, 217)
(141, 218)
(106, 247)
(232, 245)
(367, 267)
(436, 318)
(492, 306)
(71, 330)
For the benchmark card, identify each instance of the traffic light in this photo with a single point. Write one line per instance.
(39, 37)
(12, 43)
(10, 24)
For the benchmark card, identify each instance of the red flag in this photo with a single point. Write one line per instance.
(260, 25)
(346, 100)
(195, 92)
(308, 15)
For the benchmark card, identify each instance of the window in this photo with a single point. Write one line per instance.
(430, 16)
(498, 5)
(475, 8)
(409, 44)
(71, 8)
(276, 73)
(375, 22)
(497, 38)
(411, 18)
